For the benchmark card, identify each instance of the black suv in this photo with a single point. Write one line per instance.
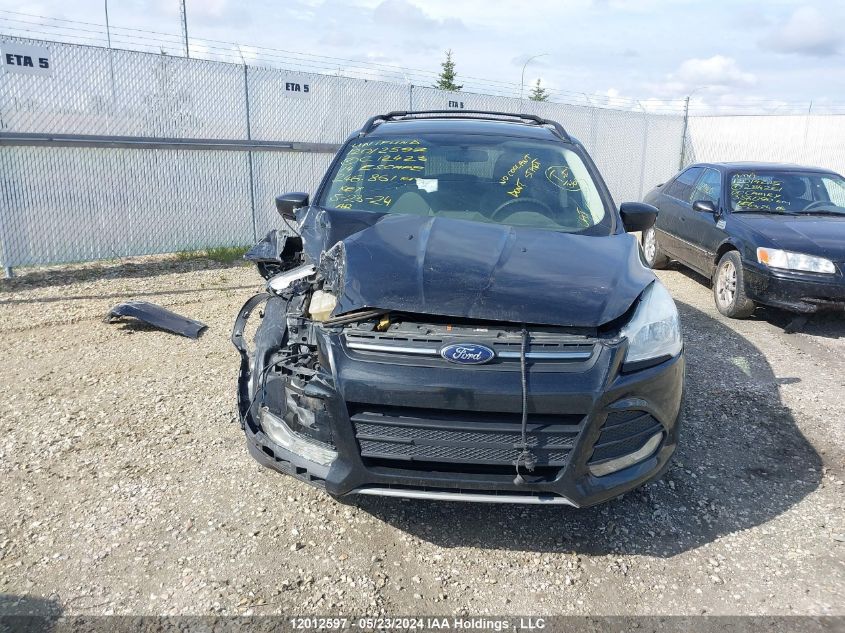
(459, 313)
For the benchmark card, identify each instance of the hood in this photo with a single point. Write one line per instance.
(459, 268)
(820, 235)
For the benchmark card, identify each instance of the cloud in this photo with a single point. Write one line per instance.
(806, 32)
(404, 14)
(713, 71)
(714, 74)
(207, 12)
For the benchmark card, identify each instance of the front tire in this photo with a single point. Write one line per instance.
(729, 288)
(654, 256)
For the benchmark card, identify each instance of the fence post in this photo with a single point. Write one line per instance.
(684, 133)
(644, 152)
(804, 158)
(5, 247)
(5, 210)
(249, 156)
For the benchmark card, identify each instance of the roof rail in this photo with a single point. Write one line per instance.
(464, 114)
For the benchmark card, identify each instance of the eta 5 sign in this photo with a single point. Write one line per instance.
(297, 86)
(25, 59)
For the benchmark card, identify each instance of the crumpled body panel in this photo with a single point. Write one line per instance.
(157, 316)
(463, 269)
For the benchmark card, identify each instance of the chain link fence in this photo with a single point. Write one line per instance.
(117, 153)
(808, 139)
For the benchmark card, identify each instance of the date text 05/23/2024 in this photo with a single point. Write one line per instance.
(306, 623)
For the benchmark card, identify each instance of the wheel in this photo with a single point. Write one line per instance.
(655, 257)
(729, 288)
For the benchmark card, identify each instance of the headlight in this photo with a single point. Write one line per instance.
(280, 282)
(310, 449)
(654, 332)
(788, 260)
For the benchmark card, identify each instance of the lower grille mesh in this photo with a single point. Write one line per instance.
(460, 437)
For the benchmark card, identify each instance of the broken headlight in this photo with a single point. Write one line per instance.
(654, 332)
(282, 281)
(311, 449)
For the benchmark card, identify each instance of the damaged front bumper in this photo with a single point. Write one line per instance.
(382, 415)
(795, 291)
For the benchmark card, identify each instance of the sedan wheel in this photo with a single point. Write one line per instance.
(655, 257)
(726, 284)
(729, 288)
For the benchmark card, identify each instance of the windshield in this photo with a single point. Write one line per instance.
(788, 192)
(510, 181)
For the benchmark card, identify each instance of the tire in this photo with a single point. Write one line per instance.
(729, 288)
(654, 256)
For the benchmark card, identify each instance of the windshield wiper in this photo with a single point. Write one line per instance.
(764, 210)
(822, 212)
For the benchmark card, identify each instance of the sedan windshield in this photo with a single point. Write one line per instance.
(789, 192)
(518, 182)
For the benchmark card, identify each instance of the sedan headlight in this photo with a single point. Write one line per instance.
(776, 258)
(654, 332)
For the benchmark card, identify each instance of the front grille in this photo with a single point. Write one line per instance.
(623, 433)
(421, 344)
(460, 437)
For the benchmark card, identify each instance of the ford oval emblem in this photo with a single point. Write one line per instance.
(467, 353)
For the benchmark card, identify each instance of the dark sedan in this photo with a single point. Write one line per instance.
(764, 233)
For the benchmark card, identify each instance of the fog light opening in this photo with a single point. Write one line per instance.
(618, 463)
(312, 450)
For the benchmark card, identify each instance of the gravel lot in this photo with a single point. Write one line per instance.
(127, 488)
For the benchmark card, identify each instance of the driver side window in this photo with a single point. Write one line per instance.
(708, 187)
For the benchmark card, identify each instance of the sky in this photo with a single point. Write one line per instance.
(737, 53)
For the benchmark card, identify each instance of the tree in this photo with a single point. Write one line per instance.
(538, 93)
(446, 79)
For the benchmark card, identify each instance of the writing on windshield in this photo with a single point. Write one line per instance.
(750, 191)
(381, 161)
(520, 182)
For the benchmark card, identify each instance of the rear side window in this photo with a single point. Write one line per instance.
(681, 188)
(708, 187)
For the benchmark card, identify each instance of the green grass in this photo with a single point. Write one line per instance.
(226, 254)
(222, 254)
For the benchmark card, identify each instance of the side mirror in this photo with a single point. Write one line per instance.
(637, 216)
(287, 203)
(705, 206)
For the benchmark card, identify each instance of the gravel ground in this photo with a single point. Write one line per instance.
(127, 488)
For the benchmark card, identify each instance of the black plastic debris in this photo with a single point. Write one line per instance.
(157, 316)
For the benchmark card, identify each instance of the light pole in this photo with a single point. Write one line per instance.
(183, 16)
(108, 28)
(522, 79)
